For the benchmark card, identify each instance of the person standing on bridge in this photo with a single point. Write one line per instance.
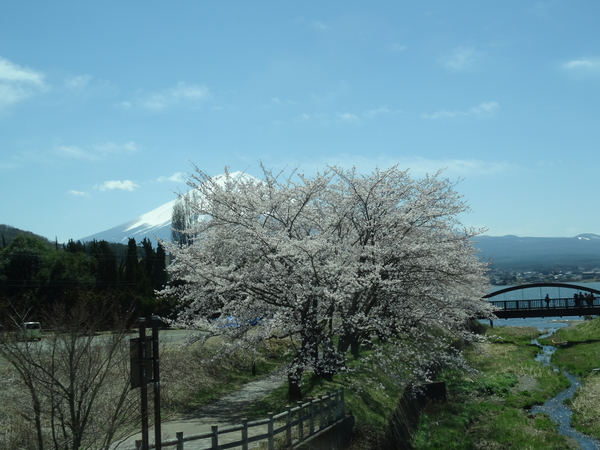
(547, 300)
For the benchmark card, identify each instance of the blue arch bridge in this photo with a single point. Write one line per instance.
(545, 300)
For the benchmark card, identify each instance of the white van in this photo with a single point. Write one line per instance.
(32, 331)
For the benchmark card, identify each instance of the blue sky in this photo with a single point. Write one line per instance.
(103, 105)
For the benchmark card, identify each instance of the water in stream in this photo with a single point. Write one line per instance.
(554, 407)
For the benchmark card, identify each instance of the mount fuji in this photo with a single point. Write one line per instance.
(155, 223)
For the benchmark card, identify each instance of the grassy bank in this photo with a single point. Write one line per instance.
(200, 373)
(371, 396)
(488, 409)
(580, 356)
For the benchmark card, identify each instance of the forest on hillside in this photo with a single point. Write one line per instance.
(36, 274)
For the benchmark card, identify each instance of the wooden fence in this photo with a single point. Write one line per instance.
(298, 423)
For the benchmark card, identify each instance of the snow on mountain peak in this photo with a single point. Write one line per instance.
(155, 223)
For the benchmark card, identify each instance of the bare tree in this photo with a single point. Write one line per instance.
(77, 380)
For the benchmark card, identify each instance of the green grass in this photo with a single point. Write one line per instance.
(196, 375)
(488, 410)
(371, 405)
(476, 425)
(580, 356)
(485, 410)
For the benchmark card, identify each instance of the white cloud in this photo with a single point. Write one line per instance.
(177, 177)
(75, 152)
(96, 152)
(370, 114)
(279, 102)
(383, 110)
(583, 66)
(78, 83)
(182, 94)
(319, 26)
(78, 193)
(347, 117)
(396, 48)
(455, 167)
(485, 109)
(463, 59)
(17, 83)
(109, 148)
(417, 165)
(126, 185)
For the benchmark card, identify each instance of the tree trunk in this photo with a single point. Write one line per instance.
(355, 347)
(294, 391)
(352, 342)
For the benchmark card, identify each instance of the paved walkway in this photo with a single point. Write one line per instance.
(226, 411)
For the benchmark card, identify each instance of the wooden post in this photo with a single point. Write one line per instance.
(179, 436)
(300, 422)
(156, 380)
(271, 433)
(320, 412)
(330, 410)
(337, 405)
(215, 436)
(311, 415)
(245, 434)
(288, 426)
(144, 386)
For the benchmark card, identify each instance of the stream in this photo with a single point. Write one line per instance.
(554, 407)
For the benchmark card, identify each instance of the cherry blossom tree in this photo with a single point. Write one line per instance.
(331, 262)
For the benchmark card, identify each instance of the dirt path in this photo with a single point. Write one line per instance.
(226, 411)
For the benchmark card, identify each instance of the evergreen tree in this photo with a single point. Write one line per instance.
(105, 266)
(132, 270)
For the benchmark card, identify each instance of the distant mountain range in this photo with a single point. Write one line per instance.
(505, 252)
(536, 253)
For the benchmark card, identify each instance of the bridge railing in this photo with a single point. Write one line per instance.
(554, 303)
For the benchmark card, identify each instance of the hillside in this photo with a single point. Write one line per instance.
(536, 253)
(8, 233)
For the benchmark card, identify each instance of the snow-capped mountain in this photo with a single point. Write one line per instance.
(155, 223)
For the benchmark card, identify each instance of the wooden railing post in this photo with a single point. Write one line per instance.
(215, 437)
(321, 404)
(179, 436)
(288, 426)
(245, 434)
(300, 422)
(311, 417)
(330, 410)
(270, 432)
